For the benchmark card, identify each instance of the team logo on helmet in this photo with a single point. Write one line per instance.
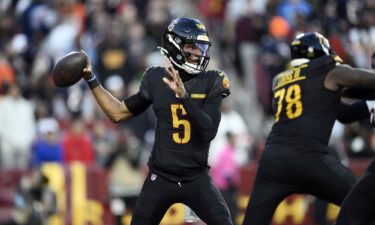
(153, 177)
(201, 26)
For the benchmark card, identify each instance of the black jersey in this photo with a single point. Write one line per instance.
(179, 152)
(304, 109)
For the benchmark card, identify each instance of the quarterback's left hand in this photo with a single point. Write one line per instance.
(175, 83)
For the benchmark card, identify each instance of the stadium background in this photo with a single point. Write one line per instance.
(98, 161)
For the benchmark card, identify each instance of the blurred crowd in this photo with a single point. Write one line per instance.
(42, 123)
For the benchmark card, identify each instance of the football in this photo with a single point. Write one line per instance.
(68, 70)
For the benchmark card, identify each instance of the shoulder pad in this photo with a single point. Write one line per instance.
(327, 62)
(153, 70)
(149, 76)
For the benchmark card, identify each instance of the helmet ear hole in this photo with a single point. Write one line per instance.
(178, 40)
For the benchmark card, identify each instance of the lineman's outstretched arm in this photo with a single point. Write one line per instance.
(347, 76)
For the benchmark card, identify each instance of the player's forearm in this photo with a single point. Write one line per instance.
(203, 121)
(348, 113)
(112, 107)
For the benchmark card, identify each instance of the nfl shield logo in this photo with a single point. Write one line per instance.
(153, 177)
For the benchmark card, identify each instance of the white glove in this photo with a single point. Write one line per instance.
(371, 109)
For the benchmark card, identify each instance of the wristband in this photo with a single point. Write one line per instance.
(93, 82)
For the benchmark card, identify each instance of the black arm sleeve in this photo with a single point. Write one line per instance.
(137, 104)
(205, 119)
(358, 93)
(348, 113)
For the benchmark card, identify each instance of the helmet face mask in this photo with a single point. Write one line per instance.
(181, 32)
(310, 45)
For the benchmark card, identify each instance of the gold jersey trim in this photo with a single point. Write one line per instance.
(198, 96)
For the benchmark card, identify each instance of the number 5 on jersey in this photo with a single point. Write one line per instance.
(292, 97)
(177, 122)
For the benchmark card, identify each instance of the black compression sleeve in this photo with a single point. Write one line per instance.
(137, 104)
(205, 119)
(348, 113)
(358, 93)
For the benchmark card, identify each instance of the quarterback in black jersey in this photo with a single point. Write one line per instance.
(306, 99)
(186, 100)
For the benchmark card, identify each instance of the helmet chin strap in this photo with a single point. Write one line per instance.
(185, 76)
(191, 68)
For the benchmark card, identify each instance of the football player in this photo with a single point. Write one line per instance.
(306, 99)
(186, 99)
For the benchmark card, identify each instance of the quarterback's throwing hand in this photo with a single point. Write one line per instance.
(87, 70)
(175, 82)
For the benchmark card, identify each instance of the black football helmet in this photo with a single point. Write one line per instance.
(179, 32)
(310, 45)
